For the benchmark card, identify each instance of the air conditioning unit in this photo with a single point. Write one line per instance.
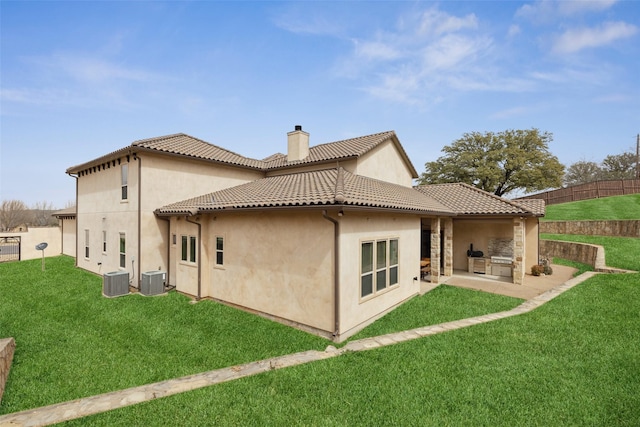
(115, 283)
(152, 283)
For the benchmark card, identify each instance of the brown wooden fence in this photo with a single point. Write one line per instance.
(591, 190)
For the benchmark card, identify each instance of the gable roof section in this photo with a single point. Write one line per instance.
(178, 144)
(536, 206)
(181, 144)
(316, 188)
(465, 199)
(341, 150)
(65, 213)
(185, 145)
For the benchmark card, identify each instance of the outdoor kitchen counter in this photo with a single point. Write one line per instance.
(496, 266)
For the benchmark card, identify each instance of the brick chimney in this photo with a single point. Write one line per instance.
(298, 144)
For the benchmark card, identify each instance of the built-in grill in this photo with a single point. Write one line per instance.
(501, 260)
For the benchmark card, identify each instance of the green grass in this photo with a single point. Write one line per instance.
(616, 207)
(72, 342)
(620, 252)
(573, 361)
(443, 304)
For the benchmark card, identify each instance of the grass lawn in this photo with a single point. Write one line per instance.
(616, 207)
(620, 252)
(573, 361)
(72, 342)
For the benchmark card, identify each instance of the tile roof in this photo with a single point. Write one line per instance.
(465, 199)
(188, 146)
(185, 145)
(339, 150)
(315, 188)
(66, 212)
(536, 206)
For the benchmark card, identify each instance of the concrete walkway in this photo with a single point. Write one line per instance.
(118, 399)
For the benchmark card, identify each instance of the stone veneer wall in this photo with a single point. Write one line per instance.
(7, 347)
(579, 252)
(435, 250)
(620, 228)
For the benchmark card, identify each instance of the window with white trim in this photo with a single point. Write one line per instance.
(86, 243)
(219, 250)
(123, 251)
(189, 246)
(124, 179)
(378, 266)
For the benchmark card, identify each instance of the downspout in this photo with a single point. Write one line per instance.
(186, 218)
(336, 273)
(135, 156)
(168, 246)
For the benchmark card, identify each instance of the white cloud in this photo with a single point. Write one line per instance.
(577, 39)
(542, 11)
(514, 30)
(376, 50)
(435, 22)
(510, 112)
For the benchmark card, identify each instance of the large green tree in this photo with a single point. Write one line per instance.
(498, 162)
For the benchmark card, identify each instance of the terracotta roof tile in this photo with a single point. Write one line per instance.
(324, 187)
(339, 150)
(465, 199)
(536, 206)
(186, 145)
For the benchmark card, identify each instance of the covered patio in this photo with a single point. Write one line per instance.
(531, 287)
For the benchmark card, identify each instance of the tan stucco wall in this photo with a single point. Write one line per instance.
(165, 179)
(274, 262)
(531, 244)
(385, 163)
(68, 228)
(35, 235)
(356, 228)
(100, 208)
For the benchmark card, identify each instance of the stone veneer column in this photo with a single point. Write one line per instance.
(7, 347)
(448, 247)
(435, 250)
(518, 251)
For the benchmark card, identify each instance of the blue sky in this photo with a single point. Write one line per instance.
(81, 79)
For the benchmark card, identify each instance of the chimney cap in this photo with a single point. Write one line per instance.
(298, 127)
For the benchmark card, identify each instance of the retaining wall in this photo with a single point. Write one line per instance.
(620, 228)
(580, 252)
(7, 347)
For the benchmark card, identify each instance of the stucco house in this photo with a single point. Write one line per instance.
(326, 238)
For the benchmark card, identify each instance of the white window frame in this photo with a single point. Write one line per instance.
(188, 249)
(380, 273)
(122, 250)
(219, 251)
(124, 182)
(86, 243)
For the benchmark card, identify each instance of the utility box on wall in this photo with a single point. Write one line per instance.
(152, 283)
(115, 283)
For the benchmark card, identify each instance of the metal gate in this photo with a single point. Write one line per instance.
(10, 248)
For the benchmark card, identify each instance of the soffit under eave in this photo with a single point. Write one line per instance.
(319, 207)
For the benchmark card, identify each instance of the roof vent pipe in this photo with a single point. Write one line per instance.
(298, 144)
